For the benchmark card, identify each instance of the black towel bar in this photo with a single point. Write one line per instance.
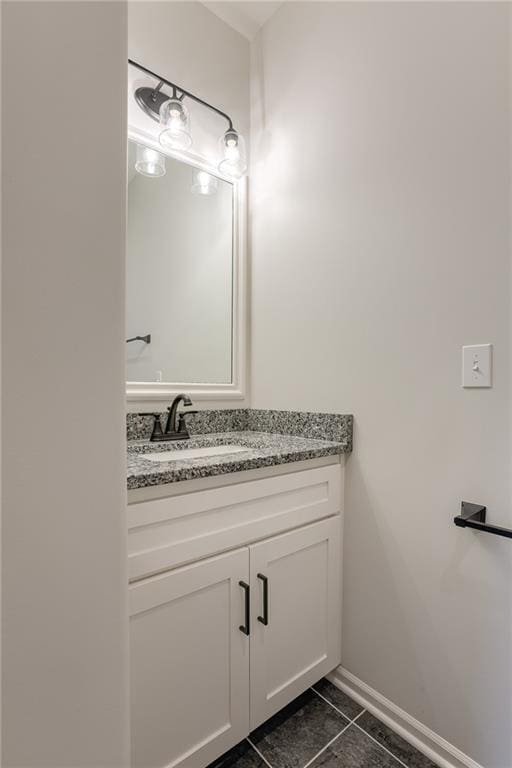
(473, 516)
(146, 339)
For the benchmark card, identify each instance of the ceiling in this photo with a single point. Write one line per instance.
(246, 17)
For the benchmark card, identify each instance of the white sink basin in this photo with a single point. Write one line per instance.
(195, 453)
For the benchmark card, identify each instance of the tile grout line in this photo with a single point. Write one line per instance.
(327, 745)
(348, 724)
(353, 722)
(381, 746)
(321, 751)
(336, 708)
(259, 753)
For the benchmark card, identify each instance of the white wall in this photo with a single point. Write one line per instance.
(64, 621)
(188, 44)
(381, 223)
(179, 275)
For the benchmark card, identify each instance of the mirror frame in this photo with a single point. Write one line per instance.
(235, 389)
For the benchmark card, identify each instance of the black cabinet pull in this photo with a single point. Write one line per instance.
(264, 618)
(246, 628)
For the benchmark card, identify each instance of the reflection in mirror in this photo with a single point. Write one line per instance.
(179, 272)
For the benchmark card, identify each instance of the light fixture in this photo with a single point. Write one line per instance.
(174, 118)
(204, 183)
(175, 122)
(233, 162)
(149, 162)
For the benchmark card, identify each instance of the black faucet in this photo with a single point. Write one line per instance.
(175, 427)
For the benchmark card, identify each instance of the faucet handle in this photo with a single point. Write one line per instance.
(157, 428)
(182, 427)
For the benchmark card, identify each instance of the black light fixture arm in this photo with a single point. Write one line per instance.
(473, 516)
(162, 81)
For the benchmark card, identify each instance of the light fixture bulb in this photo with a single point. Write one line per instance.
(175, 122)
(149, 162)
(204, 183)
(232, 152)
(233, 162)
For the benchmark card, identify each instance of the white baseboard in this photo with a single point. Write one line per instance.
(426, 741)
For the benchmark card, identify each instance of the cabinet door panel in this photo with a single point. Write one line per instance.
(189, 663)
(301, 641)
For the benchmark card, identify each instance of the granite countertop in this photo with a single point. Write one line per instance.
(269, 437)
(263, 450)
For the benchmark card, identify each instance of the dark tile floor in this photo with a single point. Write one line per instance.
(323, 728)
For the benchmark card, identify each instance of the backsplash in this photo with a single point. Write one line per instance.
(140, 425)
(320, 426)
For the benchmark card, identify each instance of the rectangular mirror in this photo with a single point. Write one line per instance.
(183, 270)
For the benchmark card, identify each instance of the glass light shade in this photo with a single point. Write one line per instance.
(204, 183)
(149, 162)
(175, 123)
(233, 162)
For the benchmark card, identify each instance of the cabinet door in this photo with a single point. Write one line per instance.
(189, 663)
(301, 640)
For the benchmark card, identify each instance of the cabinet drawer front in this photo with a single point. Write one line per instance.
(165, 533)
(296, 609)
(189, 663)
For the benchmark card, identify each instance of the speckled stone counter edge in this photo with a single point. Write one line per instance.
(320, 426)
(260, 449)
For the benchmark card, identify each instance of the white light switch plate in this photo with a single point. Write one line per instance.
(477, 365)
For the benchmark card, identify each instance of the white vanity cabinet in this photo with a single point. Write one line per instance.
(199, 682)
(301, 641)
(189, 663)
